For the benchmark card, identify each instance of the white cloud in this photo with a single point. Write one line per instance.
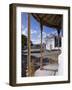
(25, 32)
(33, 31)
(37, 39)
(38, 36)
(22, 26)
(44, 34)
(54, 33)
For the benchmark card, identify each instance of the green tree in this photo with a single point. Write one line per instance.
(24, 41)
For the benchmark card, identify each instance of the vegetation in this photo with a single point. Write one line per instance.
(24, 41)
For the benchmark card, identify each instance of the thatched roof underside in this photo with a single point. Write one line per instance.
(50, 20)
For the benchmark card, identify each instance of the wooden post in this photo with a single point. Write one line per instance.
(41, 65)
(29, 59)
(58, 37)
(58, 31)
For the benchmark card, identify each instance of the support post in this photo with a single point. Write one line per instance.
(58, 37)
(41, 58)
(29, 59)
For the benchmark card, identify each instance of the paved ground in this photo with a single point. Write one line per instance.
(48, 70)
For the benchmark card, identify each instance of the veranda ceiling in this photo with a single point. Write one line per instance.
(50, 20)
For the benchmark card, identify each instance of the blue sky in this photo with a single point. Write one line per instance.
(35, 28)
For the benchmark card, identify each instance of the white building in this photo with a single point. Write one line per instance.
(53, 67)
(52, 42)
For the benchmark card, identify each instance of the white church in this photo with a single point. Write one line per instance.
(52, 42)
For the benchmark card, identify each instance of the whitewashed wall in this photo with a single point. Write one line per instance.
(51, 44)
